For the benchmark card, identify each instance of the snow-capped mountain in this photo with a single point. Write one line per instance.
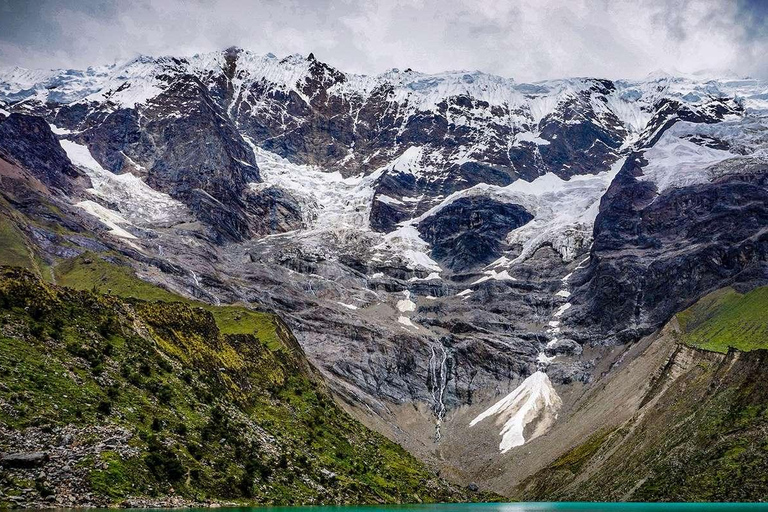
(450, 249)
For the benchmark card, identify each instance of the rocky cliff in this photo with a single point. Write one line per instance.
(443, 246)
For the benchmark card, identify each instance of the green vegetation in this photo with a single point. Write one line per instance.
(14, 247)
(701, 436)
(231, 413)
(575, 459)
(566, 468)
(726, 318)
(91, 272)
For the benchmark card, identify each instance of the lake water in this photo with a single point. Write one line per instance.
(524, 507)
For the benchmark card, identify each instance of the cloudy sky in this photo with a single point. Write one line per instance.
(523, 39)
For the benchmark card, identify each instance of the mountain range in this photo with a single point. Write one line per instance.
(549, 290)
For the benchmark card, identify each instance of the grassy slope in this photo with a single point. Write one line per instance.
(90, 272)
(213, 414)
(702, 439)
(726, 319)
(14, 248)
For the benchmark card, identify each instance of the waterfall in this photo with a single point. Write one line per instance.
(438, 372)
(199, 287)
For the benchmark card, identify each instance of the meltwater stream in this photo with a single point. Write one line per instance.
(438, 375)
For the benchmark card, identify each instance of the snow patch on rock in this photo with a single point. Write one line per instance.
(433, 276)
(406, 304)
(564, 211)
(108, 217)
(535, 399)
(406, 322)
(405, 242)
(562, 309)
(496, 276)
(136, 201)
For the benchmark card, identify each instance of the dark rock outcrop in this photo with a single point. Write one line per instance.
(274, 209)
(470, 231)
(23, 460)
(655, 254)
(29, 141)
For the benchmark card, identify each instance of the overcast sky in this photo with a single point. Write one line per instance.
(523, 39)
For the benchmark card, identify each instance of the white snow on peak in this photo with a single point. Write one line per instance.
(125, 84)
(133, 83)
(142, 78)
(138, 80)
(535, 399)
(287, 74)
(425, 91)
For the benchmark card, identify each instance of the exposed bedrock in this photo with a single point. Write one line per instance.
(654, 254)
(470, 231)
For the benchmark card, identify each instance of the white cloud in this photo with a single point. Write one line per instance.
(524, 39)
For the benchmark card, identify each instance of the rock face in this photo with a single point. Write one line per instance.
(432, 240)
(29, 141)
(209, 171)
(657, 250)
(23, 460)
(470, 231)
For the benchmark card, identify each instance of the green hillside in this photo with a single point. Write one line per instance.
(726, 318)
(700, 433)
(151, 399)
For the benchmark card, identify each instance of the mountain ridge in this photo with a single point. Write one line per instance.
(431, 250)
